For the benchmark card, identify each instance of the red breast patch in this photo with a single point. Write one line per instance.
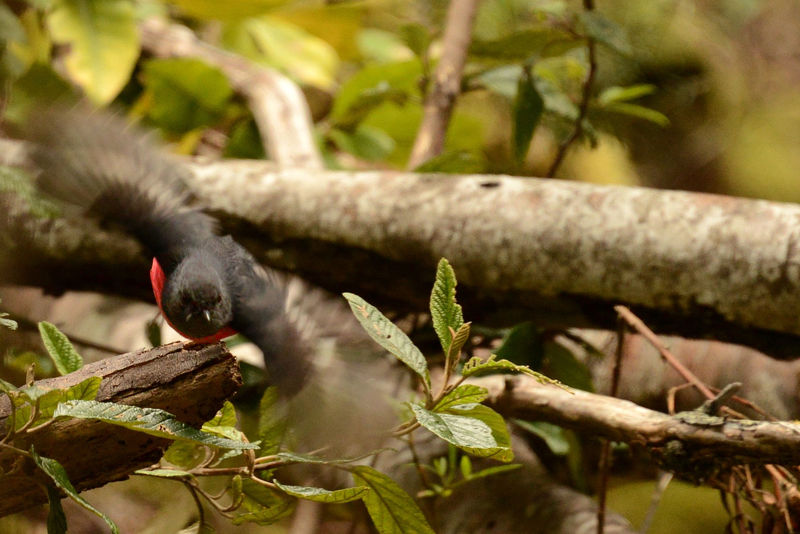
(157, 279)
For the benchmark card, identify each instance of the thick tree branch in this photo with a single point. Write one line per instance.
(278, 105)
(441, 98)
(189, 381)
(556, 252)
(694, 450)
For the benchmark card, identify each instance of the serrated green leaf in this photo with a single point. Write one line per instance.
(456, 429)
(64, 355)
(187, 93)
(58, 474)
(459, 338)
(494, 470)
(388, 336)
(496, 424)
(526, 112)
(445, 311)
(463, 394)
(102, 43)
(478, 367)
(56, 520)
(323, 495)
(164, 473)
(148, 420)
(392, 510)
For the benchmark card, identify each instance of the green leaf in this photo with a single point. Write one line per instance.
(553, 435)
(478, 367)
(244, 142)
(85, 390)
(624, 94)
(148, 420)
(527, 111)
(215, 10)
(264, 505)
(64, 355)
(641, 112)
(187, 93)
(58, 474)
(494, 470)
(226, 416)
(285, 46)
(523, 344)
(102, 43)
(323, 495)
(562, 365)
(445, 312)
(456, 429)
(416, 37)
(459, 338)
(7, 323)
(606, 31)
(454, 162)
(496, 424)
(372, 86)
(520, 45)
(56, 520)
(185, 454)
(463, 394)
(164, 473)
(366, 142)
(152, 331)
(7, 386)
(392, 510)
(388, 335)
(271, 423)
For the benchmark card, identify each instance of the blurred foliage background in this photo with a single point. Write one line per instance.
(688, 94)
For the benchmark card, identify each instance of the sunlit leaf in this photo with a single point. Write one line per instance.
(624, 94)
(271, 422)
(102, 42)
(392, 510)
(446, 313)
(456, 429)
(164, 473)
(463, 394)
(606, 31)
(496, 424)
(148, 420)
(641, 112)
(388, 335)
(323, 495)
(64, 355)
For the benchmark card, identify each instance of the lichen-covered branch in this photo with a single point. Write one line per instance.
(690, 443)
(557, 252)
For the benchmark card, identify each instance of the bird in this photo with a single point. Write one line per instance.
(207, 285)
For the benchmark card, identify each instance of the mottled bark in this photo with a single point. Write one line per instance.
(556, 252)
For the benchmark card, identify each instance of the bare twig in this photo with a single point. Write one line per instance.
(583, 107)
(446, 82)
(638, 325)
(726, 442)
(605, 452)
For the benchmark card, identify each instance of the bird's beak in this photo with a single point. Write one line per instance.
(207, 315)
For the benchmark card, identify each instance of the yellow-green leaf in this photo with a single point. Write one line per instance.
(103, 43)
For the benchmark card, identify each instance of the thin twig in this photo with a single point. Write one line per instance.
(605, 452)
(446, 82)
(638, 325)
(583, 106)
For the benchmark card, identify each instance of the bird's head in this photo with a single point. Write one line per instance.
(196, 301)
